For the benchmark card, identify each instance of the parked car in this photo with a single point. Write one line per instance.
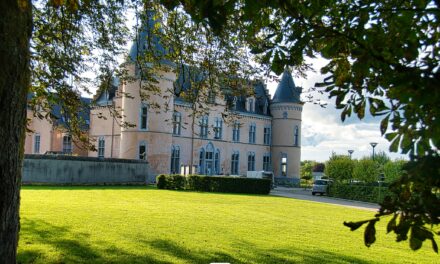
(320, 186)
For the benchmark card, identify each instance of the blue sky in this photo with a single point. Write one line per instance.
(323, 132)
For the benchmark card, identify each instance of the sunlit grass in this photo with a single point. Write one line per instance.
(140, 225)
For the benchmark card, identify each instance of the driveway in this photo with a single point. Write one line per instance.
(301, 194)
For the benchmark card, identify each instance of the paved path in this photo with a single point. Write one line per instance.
(301, 194)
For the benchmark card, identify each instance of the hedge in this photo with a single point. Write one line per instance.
(365, 193)
(214, 184)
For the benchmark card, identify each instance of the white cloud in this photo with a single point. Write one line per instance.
(323, 132)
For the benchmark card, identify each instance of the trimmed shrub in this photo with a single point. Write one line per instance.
(161, 181)
(359, 192)
(215, 184)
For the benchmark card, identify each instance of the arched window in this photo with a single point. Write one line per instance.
(142, 150)
(37, 139)
(296, 136)
(143, 116)
(175, 159)
(235, 163)
(217, 162)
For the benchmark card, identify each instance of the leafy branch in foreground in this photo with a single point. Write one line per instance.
(383, 58)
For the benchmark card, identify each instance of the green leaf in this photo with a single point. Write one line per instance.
(370, 233)
(355, 225)
(392, 224)
(415, 239)
(384, 124)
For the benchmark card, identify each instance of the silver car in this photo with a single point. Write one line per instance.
(320, 186)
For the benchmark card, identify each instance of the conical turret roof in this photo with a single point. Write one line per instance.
(286, 91)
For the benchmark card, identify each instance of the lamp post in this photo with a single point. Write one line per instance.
(373, 144)
(350, 151)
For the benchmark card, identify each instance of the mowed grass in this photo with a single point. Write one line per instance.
(145, 225)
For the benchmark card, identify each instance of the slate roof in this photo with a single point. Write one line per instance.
(286, 91)
(144, 41)
(105, 96)
(60, 120)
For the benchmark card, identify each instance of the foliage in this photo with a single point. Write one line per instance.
(306, 170)
(366, 170)
(339, 168)
(214, 184)
(382, 56)
(360, 192)
(393, 170)
(319, 167)
(381, 158)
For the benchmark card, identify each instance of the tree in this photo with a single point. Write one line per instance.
(393, 170)
(383, 56)
(306, 171)
(319, 167)
(339, 168)
(366, 170)
(48, 47)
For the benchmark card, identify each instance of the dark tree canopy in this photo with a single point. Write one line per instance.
(384, 57)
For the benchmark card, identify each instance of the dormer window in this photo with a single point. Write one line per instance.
(251, 105)
(266, 105)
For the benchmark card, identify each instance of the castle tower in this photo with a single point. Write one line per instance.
(286, 109)
(148, 114)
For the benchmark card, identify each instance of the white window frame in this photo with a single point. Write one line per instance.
(218, 128)
(204, 123)
(143, 116)
(177, 123)
(236, 132)
(101, 147)
(37, 143)
(252, 133)
(267, 135)
(67, 144)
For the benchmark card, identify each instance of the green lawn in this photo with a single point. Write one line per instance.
(135, 224)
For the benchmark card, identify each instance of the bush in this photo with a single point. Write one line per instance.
(359, 192)
(339, 168)
(366, 170)
(170, 182)
(214, 184)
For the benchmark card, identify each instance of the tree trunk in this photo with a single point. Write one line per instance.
(15, 32)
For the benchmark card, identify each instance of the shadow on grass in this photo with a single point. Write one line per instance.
(88, 187)
(44, 243)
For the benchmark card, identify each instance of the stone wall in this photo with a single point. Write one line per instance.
(48, 169)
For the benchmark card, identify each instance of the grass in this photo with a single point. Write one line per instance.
(140, 225)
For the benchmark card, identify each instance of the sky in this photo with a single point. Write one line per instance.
(323, 132)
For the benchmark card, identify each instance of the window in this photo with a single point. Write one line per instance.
(285, 115)
(218, 126)
(201, 161)
(204, 127)
(266, 106)
(217, 162)
(37, 143)
(296, 136)
(251, 161)
(101, 147)
(267, 162)
(252, 129)
(267, 135)
(143, 116)
(211, 97)
(284, 164)
(67, 144)
(177, 123)
(175, 159)
(251, 105)
(234, 163)
(236, 132)
(142, 151)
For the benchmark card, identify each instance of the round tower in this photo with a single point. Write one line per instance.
(286, 109)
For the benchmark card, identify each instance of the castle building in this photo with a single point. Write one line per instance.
(265, 134)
